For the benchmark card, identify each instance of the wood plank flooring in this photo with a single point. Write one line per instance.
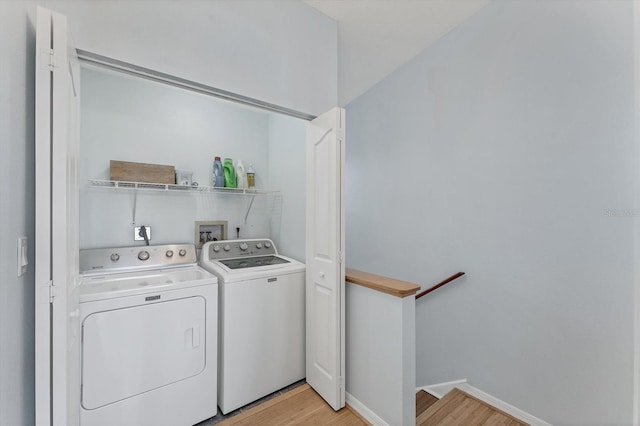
(424, 400)
(303, 406)
(458, 408)
(300, 406)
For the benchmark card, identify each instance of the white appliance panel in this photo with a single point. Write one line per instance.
(235, 276)
(185, 402)
(261, 343)
(133, 350)
(96, 287)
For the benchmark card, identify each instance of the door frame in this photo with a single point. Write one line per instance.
(57, 353)
(46, 286)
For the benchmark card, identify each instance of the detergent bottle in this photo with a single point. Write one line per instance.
(218, 173)
(229, 174)
(241, 176)
(251, 177)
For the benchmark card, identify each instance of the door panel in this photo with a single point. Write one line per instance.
(324, 254)
(323, 360)
(324, 204)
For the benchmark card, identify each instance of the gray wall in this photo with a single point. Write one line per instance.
(277, 51)
(504, 150)
(133, 119)
(287, 173)
(17, 74)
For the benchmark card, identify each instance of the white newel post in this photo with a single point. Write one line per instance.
(380, 354)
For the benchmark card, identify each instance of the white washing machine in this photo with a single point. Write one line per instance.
(149, 336)
(261, 319)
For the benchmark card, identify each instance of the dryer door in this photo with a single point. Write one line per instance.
(129, 351)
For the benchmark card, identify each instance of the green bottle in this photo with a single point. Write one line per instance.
(229, 174)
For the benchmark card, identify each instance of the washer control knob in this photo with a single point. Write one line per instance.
(227, 247)
(244, 246)
(216, 248)
(169, 253)
(259, 245)
(143, 255)
(267, 244)
(182, 252)
(115, 257)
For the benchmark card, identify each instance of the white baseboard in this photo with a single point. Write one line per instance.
(364, 411)
(441, 389)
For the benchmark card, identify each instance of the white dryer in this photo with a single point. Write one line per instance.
(149, 336)
(261, 319)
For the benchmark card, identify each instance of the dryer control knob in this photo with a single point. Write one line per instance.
(143, 255)
(216, 248)
(227, 247)
(182, 252)
(169, 253)
(259, 245)
(115, 257)
(267, 244)
(244, 246)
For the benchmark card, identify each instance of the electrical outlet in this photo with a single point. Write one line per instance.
(137, 233)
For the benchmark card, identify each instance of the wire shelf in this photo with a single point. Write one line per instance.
(114, 184)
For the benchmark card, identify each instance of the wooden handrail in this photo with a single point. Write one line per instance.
(440, 284)
(380, 283)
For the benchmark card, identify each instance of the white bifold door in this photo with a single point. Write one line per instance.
(325, 288)
(57, 368)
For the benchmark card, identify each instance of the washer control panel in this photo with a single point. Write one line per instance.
(229, 249)
(134, 258)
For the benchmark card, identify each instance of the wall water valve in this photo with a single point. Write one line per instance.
(210, 231)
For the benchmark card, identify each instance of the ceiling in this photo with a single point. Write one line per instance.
(375, 37)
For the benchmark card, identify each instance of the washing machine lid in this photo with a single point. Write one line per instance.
(253, 262)
(240, 260)
(112, 285)
(281, 266)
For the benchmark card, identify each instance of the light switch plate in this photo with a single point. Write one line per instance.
(23, 261)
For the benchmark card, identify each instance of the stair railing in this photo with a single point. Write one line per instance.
(440, 284)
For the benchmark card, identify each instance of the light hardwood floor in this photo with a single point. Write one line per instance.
(424, 400)
(458, 408)
(300, 406)
(303, 406)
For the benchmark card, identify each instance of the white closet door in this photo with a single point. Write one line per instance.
(57, 329)
(324, 256)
